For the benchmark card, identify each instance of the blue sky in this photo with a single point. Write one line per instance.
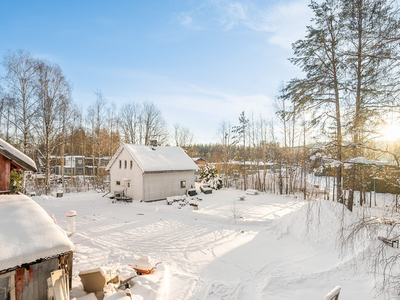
(200, 62)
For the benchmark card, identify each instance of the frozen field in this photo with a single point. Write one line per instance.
(271, 250)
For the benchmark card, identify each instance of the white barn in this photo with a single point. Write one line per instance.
(151, 173)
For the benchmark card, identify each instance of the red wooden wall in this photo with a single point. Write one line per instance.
(4, 173)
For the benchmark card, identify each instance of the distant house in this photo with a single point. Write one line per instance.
(12, 159)
(80, 165)
(31, 247)
(199, 161)
(151, 173)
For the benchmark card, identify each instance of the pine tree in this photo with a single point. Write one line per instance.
(320, 57)
(209, 174)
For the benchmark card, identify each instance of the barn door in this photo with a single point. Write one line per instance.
(7, 286)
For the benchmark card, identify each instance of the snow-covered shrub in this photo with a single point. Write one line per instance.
(209, 174)
(15, 181)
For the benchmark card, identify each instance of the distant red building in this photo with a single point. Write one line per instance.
(12, 159)
(199, 161)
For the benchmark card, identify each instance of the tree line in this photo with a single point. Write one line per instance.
(39, 116)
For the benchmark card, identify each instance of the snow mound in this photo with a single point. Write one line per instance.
(317, 221)
(143, 263)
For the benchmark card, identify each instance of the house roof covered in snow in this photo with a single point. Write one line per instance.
(198, 159)
(157, 159)
(28, 233)
(17, 156)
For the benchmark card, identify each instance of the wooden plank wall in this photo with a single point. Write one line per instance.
(4, 173)
(31, 283)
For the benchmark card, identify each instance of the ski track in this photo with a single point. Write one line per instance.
(208, 254)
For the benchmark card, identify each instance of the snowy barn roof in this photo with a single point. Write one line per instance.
(157, 159)
(28, 233)
(17, 156)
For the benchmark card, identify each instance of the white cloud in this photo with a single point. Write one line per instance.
(286, 22)
(185, 20)
(234, 14)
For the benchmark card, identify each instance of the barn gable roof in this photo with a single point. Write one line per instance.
(157, 159)
(17, 156)
(28, 233)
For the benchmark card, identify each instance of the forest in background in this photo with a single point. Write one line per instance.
(333, 114)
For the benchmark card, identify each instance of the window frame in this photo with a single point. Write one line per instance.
(11, 283)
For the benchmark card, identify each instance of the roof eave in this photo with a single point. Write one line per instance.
(18, 161)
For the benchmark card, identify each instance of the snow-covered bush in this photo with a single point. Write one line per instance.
(209, 174)
(15, 181)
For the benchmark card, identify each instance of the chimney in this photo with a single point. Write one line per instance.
(153, 144)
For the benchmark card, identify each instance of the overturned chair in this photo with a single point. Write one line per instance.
(95, 280)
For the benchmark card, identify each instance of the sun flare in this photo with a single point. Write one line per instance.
(391, 132)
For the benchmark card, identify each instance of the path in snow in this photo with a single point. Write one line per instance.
(206, 254)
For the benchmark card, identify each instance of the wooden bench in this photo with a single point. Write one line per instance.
(242, 197)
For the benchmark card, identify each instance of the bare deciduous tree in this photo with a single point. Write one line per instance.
(183, 137)
(21, 85)
(53, 92)
(130, 122)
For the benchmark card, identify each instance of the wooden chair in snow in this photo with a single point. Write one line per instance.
(390, 241)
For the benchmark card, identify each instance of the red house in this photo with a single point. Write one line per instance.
(199, 161)
(12, 159)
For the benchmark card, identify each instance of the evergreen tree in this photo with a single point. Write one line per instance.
(320, 93)
(209, 174)
(240, 134)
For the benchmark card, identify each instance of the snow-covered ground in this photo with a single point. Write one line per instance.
(276, 248)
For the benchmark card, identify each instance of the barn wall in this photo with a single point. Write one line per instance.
(162, 185)
(4, 173)
(134, 174)
(31, 282)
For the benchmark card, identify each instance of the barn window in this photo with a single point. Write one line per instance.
(7, 285)
(183, 184)
(131, 164)
(120, 164)
(118, 182)
(126, 164)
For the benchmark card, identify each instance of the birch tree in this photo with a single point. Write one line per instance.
(53, 92)
(20, 87)
(153, 124)
(130, 122)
